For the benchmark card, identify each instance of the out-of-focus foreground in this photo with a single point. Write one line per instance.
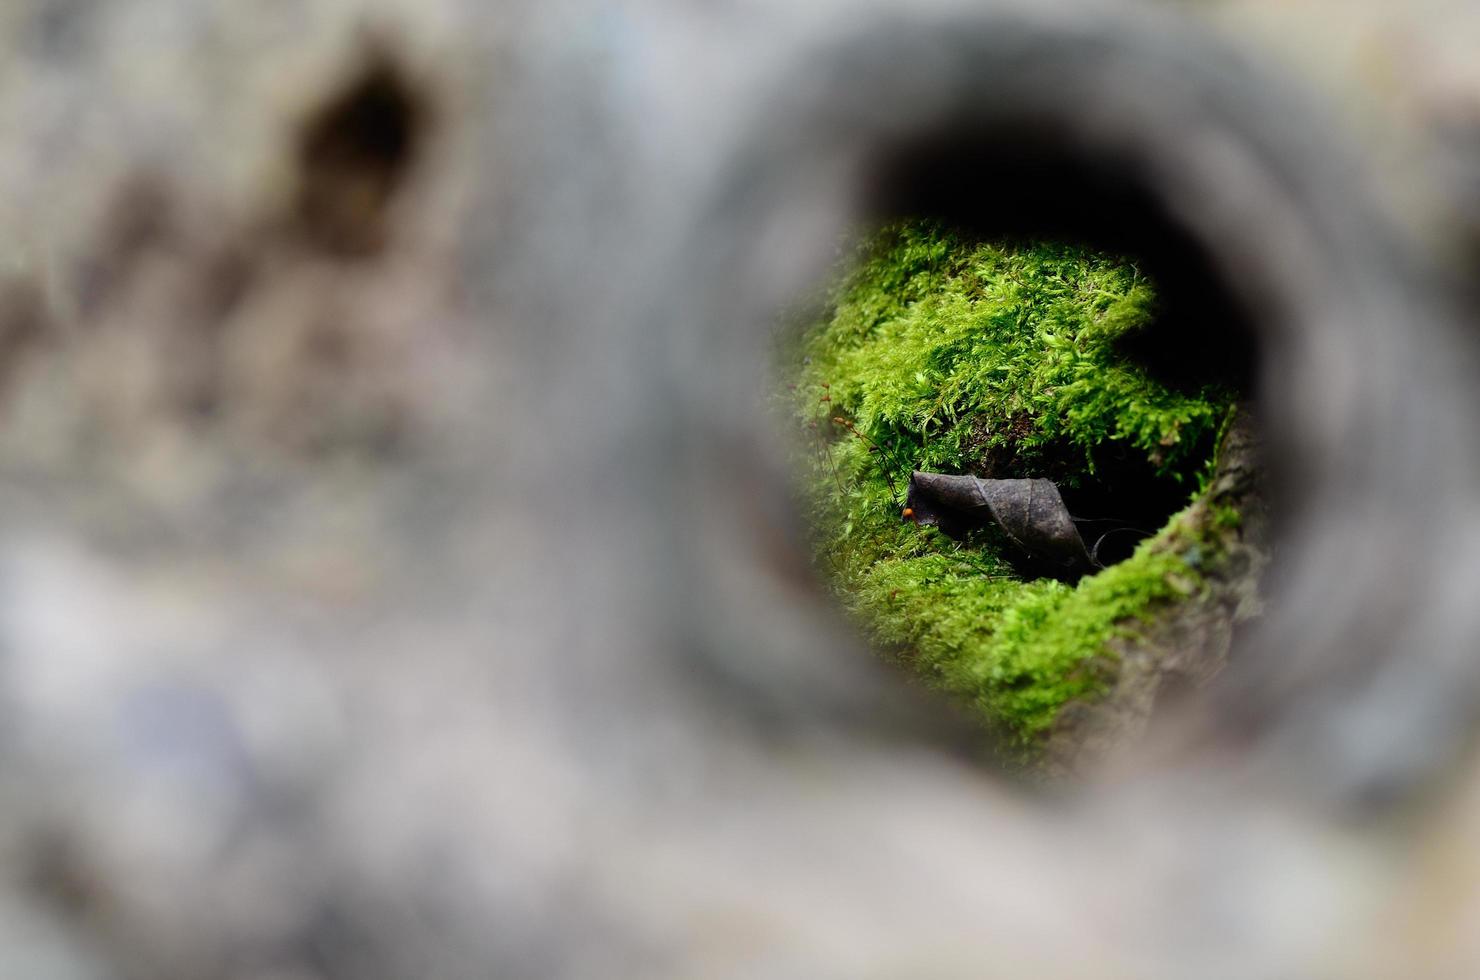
(397, 575)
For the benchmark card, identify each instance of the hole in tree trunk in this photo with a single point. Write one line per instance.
(1034, 318)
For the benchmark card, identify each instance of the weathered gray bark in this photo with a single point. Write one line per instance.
(347, 626)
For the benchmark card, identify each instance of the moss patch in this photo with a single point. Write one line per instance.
(1004, 360)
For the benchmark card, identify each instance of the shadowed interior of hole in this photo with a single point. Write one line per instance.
(1028, 185)
(354, 154)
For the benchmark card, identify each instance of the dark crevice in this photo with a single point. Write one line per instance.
(354, 155)
(1116, 497)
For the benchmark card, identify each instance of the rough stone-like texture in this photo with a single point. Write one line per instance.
(394, 576)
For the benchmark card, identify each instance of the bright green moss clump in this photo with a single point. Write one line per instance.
(945, 355)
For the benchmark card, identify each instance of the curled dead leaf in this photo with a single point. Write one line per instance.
(1030, 512)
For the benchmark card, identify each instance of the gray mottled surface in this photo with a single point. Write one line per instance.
(396, 581)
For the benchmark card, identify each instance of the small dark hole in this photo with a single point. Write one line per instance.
(355, 154)
(1023, 185)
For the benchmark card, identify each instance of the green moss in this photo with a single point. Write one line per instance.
(942, 354)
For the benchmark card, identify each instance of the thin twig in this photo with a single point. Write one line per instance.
(874, 448)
